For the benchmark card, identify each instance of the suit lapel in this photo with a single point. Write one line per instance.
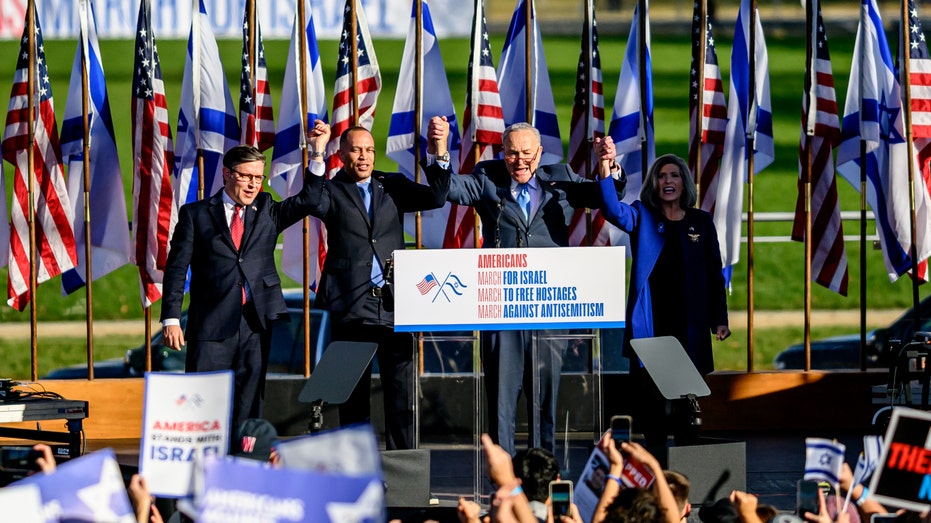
(249, 215)
(352, 192)
(218, 214)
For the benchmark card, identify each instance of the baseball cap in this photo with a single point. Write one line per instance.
(254, 439)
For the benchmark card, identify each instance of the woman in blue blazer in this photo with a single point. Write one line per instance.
(676, 284)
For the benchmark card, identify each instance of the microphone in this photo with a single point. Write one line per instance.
(498, 223)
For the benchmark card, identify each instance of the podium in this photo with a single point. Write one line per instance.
(511, 290)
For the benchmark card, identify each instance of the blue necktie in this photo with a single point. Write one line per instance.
(365, 192)
(523, 199)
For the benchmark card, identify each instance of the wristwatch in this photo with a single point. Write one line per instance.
(316, 154)
(442, 157)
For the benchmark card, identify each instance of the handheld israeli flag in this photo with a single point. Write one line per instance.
(824, 459)
(437, 103)
(88, 488)
(513, 88)
(869, 458)
(207, 119)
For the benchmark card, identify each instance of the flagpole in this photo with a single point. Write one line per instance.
(862, 35)
(700, 102)
(85, 121)
(418, 219)
(195, 82)
(305, 231)
(810, 116)
(354, 63)
(642, 73)
(751, 99)
(418, 111)
(30, 174)
(589, 107)
(529, 52)
(909, 139)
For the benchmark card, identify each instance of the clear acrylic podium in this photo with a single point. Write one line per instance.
(573, 291)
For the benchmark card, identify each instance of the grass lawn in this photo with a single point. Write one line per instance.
(53, 353)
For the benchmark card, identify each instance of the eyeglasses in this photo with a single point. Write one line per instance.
(515, 156)
(246, 178)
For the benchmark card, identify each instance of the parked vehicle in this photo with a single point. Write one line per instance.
(843, 352)
(286, 356)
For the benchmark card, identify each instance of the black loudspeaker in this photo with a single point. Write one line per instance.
(706, 464)
(407, 477)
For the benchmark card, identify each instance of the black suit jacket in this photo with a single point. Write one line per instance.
(352, 237)
(202, 241)
(488, 189)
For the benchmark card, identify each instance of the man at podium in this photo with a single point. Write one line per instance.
(523, 204)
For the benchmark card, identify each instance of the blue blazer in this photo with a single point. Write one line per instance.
(488, 189)
(706, 301)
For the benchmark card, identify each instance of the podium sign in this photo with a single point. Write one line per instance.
(509, 289)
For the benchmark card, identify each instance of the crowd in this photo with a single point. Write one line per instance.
(521, 492)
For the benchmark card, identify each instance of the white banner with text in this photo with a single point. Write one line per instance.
(509, 289)
(172, 18)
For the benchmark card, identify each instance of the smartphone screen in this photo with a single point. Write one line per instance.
(15, 458)
(620, 429)
(806, 499)
(561, 497)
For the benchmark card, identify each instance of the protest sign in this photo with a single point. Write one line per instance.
(88, 488)
(185, 418)
(351, 450)
(594, 476)
(903, 475)
(246, 490)
(22, 503)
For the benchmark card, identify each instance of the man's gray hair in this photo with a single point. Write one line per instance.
(520, 126)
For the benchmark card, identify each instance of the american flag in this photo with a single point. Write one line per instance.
(256, 119)
(705, 82)
(153, 157)
(828, 255)
(368, 83)
(920, 91)
(482, 124)
(55, 247)
(428, 282)
(588, 122)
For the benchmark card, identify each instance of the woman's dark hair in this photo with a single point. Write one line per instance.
(650, 189)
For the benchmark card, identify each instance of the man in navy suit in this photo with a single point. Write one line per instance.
(523, 204)
(228, 242)
(363, 210)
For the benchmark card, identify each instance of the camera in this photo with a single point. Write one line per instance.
(19, 459)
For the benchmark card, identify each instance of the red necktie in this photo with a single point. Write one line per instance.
(236, 229)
